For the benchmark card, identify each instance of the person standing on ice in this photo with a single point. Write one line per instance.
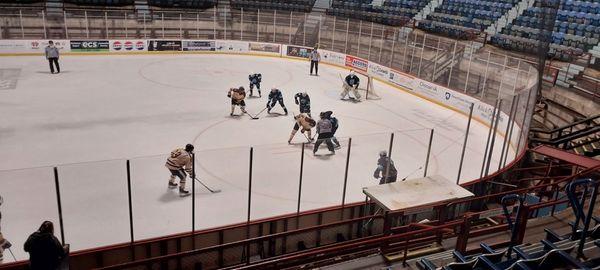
(382, 173)
(275, 96)
(303, 100)
(325, 131)
(52, 55)
(178, 164)
(4, 244)
(255, 80)
(351, 84)
(315, 58)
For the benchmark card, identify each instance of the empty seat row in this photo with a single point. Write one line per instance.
(294, 5)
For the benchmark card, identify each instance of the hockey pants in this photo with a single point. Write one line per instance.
(178, 173)
(272, 103)
(347, 89)
(327, 141)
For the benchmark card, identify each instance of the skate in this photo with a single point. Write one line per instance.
(183, 192)
(172, 185)
(289, 141)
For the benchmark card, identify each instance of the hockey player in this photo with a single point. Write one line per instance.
(275, 96)
(178, 164)
(306, 123)
(303, 100)
(237, 96)
(335, 124)
(255, 80)
(325, 131)
(382, 169)
(351, 83)
(4, 244)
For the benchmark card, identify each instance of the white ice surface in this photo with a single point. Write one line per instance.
(114, 108)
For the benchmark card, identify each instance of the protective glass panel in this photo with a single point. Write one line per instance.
(94, 201)
(23, 213)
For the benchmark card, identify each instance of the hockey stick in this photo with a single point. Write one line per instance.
(259, 113)
(209, 189)
(11, 253)
(404, 179)
(251, 117)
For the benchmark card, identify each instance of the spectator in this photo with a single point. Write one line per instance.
(45, 251)
(52, 55)
(314, 57)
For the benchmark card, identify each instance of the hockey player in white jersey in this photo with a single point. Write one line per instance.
(180, 163)
(351, 83)
(4, 244)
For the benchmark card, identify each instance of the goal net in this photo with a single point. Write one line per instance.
(365, 87)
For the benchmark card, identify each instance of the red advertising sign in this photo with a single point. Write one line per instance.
(357, 63)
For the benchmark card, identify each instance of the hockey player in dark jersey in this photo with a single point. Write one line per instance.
(325, 131)
(255, 80)
(387, 175)
(275, 96)
(303, 100)
(335, 125)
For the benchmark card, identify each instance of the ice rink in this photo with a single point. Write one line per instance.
(102, 110)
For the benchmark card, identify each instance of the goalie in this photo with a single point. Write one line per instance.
(351, 83)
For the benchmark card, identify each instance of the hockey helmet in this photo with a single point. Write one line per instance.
(189, 147)
(383, 153)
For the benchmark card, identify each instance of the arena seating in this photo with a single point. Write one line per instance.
(197, 4)
(579, 249)
(392, 12)
(576, 30)
(456, 17)
(101, 2)
(292, 5)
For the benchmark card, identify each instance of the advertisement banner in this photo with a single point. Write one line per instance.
(89, 45)
(264, 47)
(164, 45)
(31, 46)
(356, 63)
(378, 71)
(134, 45)
(232, 46)
(401, 79)
(295, 51)
(13, 46)
(333, 57)
(199, 45)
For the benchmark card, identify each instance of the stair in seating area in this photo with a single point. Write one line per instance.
(508, 17)
(54, 8)
(142, 10)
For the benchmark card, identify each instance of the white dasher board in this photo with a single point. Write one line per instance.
(415, 193)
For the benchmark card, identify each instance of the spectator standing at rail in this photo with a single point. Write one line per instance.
(52, 55)
(45, 251)
(315, 58)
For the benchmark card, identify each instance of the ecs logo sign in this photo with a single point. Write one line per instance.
(89, 45)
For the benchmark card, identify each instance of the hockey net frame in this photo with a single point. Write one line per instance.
(366, 85)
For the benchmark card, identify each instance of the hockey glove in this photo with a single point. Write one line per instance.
(6, 245)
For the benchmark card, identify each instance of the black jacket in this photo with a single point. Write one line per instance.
(45, 251)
